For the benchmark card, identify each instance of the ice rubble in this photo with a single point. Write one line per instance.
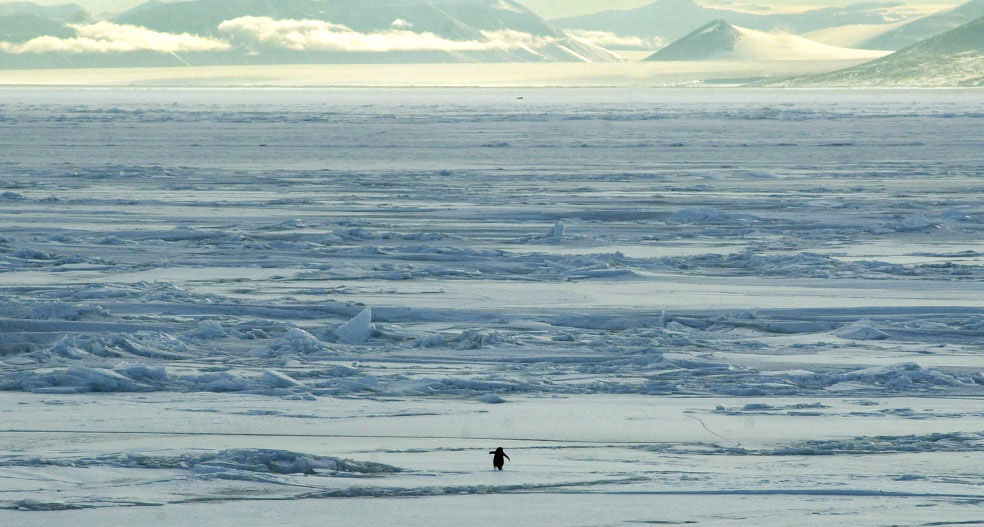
(223, 463)
(660, 375)
(940, 442)
(861, 445)
(58, 310)
(635, 352)
(911, 224)
(477, 338)
(130, 377)
(352, 233)
(698, 215)
(900, 377)
(208, 330)
(79, 379)
(434, 340)
(804, 265)
(114, 345)
(417, 240)
(954, 215)
(293, 341)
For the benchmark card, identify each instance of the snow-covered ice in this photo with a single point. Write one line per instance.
(723, 307)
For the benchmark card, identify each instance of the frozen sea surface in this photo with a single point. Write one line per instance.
(722, 307)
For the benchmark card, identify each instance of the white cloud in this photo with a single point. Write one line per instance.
(318, 35)
(300, 35)
(106, 37)
(607, 39)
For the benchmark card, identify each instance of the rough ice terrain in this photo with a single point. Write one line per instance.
(222, 307)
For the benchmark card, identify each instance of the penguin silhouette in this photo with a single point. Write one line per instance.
(497, 456)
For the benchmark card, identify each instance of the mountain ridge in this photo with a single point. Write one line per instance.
(952, 59)
(721, 40)
(672, 19)
(927, 26)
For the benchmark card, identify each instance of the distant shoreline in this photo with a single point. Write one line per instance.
(472, 75)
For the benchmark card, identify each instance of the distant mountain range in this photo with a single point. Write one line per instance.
(23, 27)
(672, 19)
(955, 58)
(64, 12)
(242, 32)
(720, 40)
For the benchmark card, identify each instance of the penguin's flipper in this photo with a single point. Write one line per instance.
(507, 457)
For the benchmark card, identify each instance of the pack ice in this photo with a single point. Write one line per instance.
(667, 306)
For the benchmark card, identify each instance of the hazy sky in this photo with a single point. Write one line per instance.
(545, 8)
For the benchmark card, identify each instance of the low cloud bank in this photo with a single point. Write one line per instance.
(290, 34)
(107, 37)
(607, 39)
(319, 35)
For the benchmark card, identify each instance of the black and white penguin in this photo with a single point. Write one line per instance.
(497, 455)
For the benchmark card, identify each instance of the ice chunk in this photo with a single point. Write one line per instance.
(899, 377)
(295, 341)
(207, 330)
(491, 398)
(473, 339)
(47, 505)
(264, 461)
(706, 215)
(59, 310)
(861, 330)
(279, 380)
(358, 330)
(435, 340)
(353, 233)
(143, 372)
(557, 231)
(75, 380)
(954, 215)
(911, 224)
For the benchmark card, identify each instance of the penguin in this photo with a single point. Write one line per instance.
(497, 460)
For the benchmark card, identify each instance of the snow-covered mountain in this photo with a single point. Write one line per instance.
(206, 32)
(672, 19)
(955, 58)
(851, 35)
(720, 40)
(926, 27)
